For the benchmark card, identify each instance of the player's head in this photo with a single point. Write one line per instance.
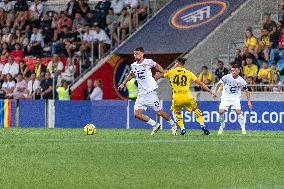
(138, 53)
(181, 61)
(235, 70)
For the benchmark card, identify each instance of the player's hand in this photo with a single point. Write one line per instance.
(121, 86)
(214, 95)
(250, 105)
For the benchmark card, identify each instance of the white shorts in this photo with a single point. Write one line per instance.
(227, 102)
(148, 100)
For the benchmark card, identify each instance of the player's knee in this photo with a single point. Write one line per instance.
(160, 113)
(137, 114)
(239, 112)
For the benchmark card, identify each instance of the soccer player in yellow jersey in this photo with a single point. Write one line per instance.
(180, 79)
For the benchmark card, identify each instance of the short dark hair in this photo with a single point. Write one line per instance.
(139, 49)
(205, 67)
(182, 60)
(265, 61)
(220, 61)
(235, 66)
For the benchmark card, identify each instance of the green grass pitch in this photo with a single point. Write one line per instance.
(132, 159)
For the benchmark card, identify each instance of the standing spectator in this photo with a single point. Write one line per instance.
(33, 85)
(274, 37)
(268, 23)
(101, 10)
(8, 85)
(124, 22)
(24, 70)
(206, 76)
(251, 42)
(35, 47)
(63, 91)
(264, 75)
(40, 69)
(69, 71)
(88, 91)
(97, 93)
(20, 90)
(250, 69)
(11, 67)
(220, 71)
(117, 6)
(72, 8)
(46, 86)
(55, 67)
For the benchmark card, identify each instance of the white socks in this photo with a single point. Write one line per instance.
(222, 121)
(241, 121)
(151, 122)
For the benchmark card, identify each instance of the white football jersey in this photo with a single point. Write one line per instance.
(143, 74)
(232, 87)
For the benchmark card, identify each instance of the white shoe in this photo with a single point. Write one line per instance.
(220, 132)
(156, 128)
(244, 132)
(174, 130)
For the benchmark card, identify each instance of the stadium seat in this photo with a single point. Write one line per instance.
(280, 65)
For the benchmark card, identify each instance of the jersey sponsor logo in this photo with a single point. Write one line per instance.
(195, 15)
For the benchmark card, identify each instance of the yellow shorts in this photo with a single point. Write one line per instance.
(189, 103)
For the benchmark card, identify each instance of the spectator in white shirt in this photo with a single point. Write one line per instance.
(9, 85)
(35, 47)
(97, 93)
(102, 41)
(117, 6)
(88, 37)
(55, 67)
(36, 10)
(69, 71)
(6, 5)
(131, 5)
(11, 67)
(33, 85)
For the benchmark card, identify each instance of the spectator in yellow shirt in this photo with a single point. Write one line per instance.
(250, 69)
(206, 76)
(265, 43)
(251, 42)
(264, 75)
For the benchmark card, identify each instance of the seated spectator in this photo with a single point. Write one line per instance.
(35, 47)
(69, 72)
(268, 23)
(238, 58)
(38, 95)
(19, 37)
(33, 85)
(206, 76)
(3, 18)
(251, 42)
(265, 43)
(64, 21)
(281, 43)
(21, 9)
(8, 85)
(142, 10)
(250, 69)
(91, 19)
(11, 67)
(5, 52)
(20, 90)
(17, 53)
(83, 7)
(63, 91)
(246, 54)
(97, 93)
(7, 37)
(111, 21)
(250, 82)
(101, 10)
(88, 91)
(55, 67)
(36, 10)
(264, 75)
(39, 69)
(24, 70)
(124, 22)
(102, 41)
(6, 5)
(88, 38)
(274, 78)
(72, 8)
(60, 38)
(220, 71)
(274, 37)
(46, 86)
(117, 6)
(78, 21)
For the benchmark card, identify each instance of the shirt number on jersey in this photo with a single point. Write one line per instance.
(180, 81)
(234, 89)
(141, 75)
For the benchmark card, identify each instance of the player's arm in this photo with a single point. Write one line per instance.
(205, 87)
(128, 78)
(219, 84)
(159, 68)
(248, 97)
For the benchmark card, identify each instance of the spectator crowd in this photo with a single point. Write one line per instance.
(261, 59)
(28, 31)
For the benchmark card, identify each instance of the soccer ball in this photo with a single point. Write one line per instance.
(90, 129)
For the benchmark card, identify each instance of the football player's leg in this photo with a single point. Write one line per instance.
(223, 107)
(139, 107)
(241, 118)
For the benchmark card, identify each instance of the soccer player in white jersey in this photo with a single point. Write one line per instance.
(233, 84)
(147, 96)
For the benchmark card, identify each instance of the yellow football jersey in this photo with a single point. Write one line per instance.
(180, 79)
